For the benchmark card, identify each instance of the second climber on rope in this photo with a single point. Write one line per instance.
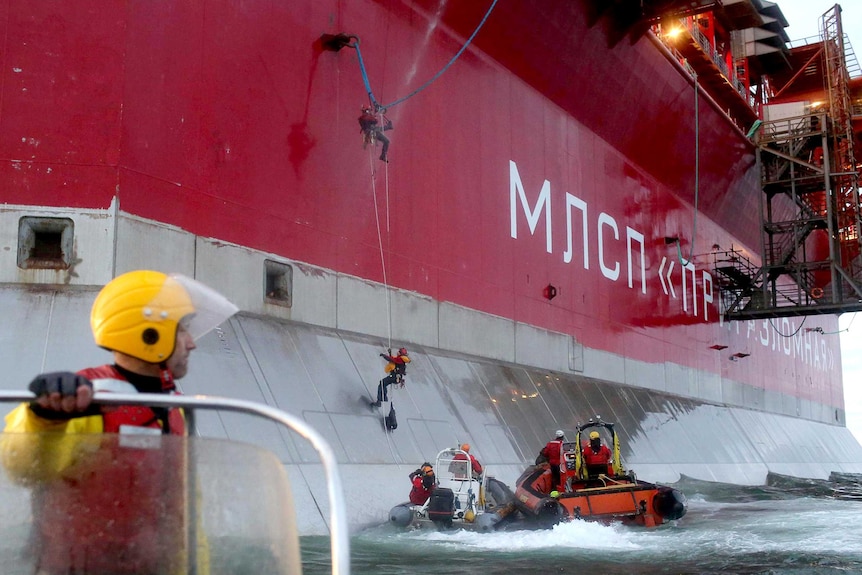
(372, 126)
(397, 370)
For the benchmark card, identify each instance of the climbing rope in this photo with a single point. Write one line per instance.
(847, 329)
(352, 41)
(389, 250)
(380, 239)
(377, 105)
(817, 329)
(379, 109)
(696, 182)
(390, 393)
(778, 331)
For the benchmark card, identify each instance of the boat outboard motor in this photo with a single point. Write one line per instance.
(441, 506)
(670, 503)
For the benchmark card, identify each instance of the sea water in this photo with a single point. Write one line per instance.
(796, 527)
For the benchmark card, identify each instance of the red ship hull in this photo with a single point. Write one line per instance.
(551, 153)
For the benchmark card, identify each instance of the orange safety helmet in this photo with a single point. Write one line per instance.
(465, 447)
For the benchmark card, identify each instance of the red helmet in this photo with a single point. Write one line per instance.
(402, 351)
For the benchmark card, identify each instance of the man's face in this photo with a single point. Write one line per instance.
(178, 363)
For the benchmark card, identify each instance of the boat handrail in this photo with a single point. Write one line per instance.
(614, 486)
(339, 537)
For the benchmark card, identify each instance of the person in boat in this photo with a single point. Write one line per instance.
(372, 129)
(553, 454)
(424, 481)
(597, 456)
(100, 505)
(396, 370)
(475, 466)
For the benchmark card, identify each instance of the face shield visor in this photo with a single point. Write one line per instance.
(211, 309)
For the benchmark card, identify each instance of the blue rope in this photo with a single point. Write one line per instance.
(377, 106)
(371, 98)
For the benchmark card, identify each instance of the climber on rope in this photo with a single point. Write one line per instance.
(397, 370)
(372, 124)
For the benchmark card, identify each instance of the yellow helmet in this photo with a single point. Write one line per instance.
(594, 435)
(138, 313)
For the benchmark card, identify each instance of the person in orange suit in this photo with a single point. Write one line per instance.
(424, 481)
(397, 370)
(553, 454)
(474, 463)
(596, 454)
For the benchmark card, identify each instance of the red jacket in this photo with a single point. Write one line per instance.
(553, 451)
(420, 494)
(397, 363)
(132, 415)
(119, 507)
(600, 457)
(474, 463)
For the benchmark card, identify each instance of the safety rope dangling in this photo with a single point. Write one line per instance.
(388, 250)
(686, 261)
(373, 123)
(380, 241)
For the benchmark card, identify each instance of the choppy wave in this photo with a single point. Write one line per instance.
(838, 486)
(789, 526)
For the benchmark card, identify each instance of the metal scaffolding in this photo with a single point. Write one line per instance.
(811, 261)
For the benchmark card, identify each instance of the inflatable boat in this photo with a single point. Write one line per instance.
(461, 499)
(600, 492)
